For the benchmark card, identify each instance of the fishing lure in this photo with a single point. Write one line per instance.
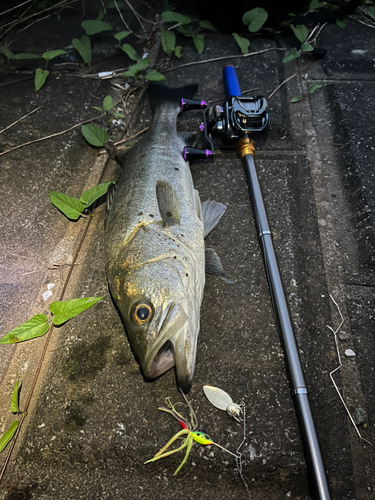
(189, 433)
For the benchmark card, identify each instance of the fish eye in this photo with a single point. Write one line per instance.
(141, 313)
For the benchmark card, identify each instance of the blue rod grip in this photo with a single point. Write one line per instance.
(231, 84)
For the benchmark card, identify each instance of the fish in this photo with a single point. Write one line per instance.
(154, 231)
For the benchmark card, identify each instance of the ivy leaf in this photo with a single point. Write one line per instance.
(307, 47)
(24, 56)
(63, 311)
(130, 52)
(93, 194)
(255, 18)
(243, 43)
(83, 47)
(316, 4)
(123, 34)
(154, 76)
(297, 99)
(37, 326)
(108, 103)
(40, 78)
(199, 43)
(69, 206)
(94, 27)
(300, 31)
(177, 52)
(342, 23)
(168, 40)
(186, 30)
(174, 17)
(14, 401)
(207, 25)
(136, 68)
(291, 56)
(7, 52)
(371, 11)
(94, 135)
(314, 86)
(8, 435)
(52, 54)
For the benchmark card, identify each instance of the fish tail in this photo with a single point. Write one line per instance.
(159, 93)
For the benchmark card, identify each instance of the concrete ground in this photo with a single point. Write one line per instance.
(93, 419)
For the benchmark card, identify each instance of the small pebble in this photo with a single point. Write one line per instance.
(343, 335)
(360, 416)
(349, 353)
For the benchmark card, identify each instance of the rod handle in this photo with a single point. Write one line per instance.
(231, 83)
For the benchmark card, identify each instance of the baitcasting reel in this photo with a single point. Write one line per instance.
(237, 117)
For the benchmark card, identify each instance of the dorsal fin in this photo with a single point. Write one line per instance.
(169, 204)
(110, 194)
(212, 213)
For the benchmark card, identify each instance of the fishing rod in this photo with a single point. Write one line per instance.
(235, 121)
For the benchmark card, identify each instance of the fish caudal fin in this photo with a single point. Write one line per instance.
(159, 93)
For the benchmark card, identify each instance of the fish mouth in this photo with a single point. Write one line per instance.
(174, 352)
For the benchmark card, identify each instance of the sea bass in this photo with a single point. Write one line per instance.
(155, 229)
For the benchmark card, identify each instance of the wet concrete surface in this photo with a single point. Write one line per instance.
(93, 420)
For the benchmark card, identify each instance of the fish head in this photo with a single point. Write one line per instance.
(161, 316)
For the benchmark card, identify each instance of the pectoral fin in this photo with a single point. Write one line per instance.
(169, 204)
(212, 213)
(214, 266)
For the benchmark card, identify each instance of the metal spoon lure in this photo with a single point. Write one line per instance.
(220, 399)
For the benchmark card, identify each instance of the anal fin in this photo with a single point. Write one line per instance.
(212, 213)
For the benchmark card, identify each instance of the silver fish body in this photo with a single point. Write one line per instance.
(156, 252)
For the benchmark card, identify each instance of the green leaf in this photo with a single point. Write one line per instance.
(255, 18)
(40, 78)
(297, 99)
(173, 17)
(94, 27)
(97, 108)
(69, 206)
(83, 47)
(136, 68)
(199, 43)
(154, 76)
(94, 135)
(128, 49)
(91, 195)
(108, 103)
(316, 4)
(306, 47)
(8, 435)
(342, 23)
(118, 115)
(207, 25)
(186, 30)
(177, 52)
(300, 31)
(168, 40)
(7, 52)
(371, 11)
(63, 311)
(243, 43)
(37, 326)
(52, 54)
(123, 34)
(314, 86)
(112, 5)
(100, 15)
(25, 56)
(291, 56)
(14, 401)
